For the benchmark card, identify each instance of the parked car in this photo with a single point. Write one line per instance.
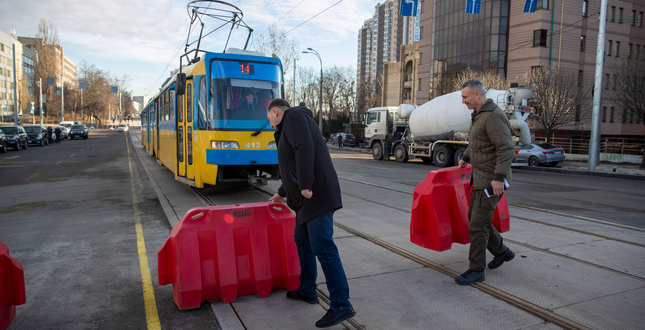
(3, 141)
(78, 131)
(65, 131)
(540, 153)
(122, 128)
(37, 135)
(349, 140)
(16, 136)
(333, 138)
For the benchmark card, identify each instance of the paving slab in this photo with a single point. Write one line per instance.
(374, 220)
(611, 254)
(387, 197)
(424, 299)
(552, 282)
(624, 310)
(544, 236)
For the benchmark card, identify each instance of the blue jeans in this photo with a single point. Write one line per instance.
(314, 239)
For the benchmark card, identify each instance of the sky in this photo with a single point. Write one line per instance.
(142, 38)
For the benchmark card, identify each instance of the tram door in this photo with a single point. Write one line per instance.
(159, 114)
(153, 131)
(188, 132)
(181, 129)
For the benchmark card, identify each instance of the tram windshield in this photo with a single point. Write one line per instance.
(238, 99)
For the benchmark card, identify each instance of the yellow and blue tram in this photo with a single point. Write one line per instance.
(206, 131)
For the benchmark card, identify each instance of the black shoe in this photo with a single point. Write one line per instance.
(333, 317)
(295, 295)
(470, 277)
(508, 255)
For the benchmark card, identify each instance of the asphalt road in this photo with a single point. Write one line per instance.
(619, 201)
(68, 215)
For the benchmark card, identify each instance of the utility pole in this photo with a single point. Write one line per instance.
(293, 104)
(41, 101)
(597, 99)
(62, 83)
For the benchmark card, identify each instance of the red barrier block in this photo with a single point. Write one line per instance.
(227, 251)
(12, 287)
(440, 210)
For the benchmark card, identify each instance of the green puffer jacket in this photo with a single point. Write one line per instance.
(490, 147)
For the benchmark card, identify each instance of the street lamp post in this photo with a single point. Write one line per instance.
(311, 51)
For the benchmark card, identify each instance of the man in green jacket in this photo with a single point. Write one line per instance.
(490, 152)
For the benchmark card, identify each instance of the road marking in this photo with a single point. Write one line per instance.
(72, 155)
(576, 216)
(31, 177)
(58, 162)
(12, 157)
(7, 166)
(152, 316)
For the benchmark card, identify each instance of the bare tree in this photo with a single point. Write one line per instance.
(46, 47)
(629, 92)
(490, 79)
(275, 43)
(368, 95)
(561, 98)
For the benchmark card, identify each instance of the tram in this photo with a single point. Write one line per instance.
(208, 122)
(202, 134)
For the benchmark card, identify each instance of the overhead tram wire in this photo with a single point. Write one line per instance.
(276, 22)
(312, 17)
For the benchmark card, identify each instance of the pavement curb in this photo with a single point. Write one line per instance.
(589, 173)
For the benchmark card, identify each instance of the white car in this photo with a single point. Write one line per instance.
(122, 128)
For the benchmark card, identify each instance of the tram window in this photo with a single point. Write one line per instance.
(201, 104)
(241, 99)
(189, 103)
(180, 108)
(171, 104)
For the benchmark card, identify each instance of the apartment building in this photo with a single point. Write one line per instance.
(7, 73)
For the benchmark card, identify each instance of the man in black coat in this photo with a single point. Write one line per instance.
(310, 185)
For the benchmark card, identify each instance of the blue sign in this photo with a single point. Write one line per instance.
(530, 5)
(4, 109)
(82, 85)
(51, 81)
(473, 6)
(408, 7)
(114, 89)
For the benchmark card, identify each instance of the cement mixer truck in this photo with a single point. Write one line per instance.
(437, 131)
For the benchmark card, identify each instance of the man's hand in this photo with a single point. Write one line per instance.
(276, 198)
(307, 193)
(498, 187)
(461, 164)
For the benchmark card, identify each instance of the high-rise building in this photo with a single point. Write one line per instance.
(7, 74)
(63, 64)
(505, 40)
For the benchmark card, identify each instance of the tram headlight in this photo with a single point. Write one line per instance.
(272, 145)
(224, 145)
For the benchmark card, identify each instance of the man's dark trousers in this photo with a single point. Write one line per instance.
(314, 239)
(483, 235)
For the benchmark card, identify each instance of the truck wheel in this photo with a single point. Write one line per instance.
(401, 153)
(377, 151)
(443, 156)
(458, 154)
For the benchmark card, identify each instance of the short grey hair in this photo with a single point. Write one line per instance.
(474, 84)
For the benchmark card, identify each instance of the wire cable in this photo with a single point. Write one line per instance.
(312, 17)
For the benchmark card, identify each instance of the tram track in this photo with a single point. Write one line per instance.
(536, 310)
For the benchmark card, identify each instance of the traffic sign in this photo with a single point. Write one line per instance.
(530, 6)
(82, 85)
(51, 81)
(473, 6)
(408, 7)
(4, 109)
(114, 89)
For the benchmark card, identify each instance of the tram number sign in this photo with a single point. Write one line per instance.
(253, 145)
(247, 69)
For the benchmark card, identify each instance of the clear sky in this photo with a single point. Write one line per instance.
(140, 38)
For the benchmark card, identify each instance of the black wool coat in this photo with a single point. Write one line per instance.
(304, 162)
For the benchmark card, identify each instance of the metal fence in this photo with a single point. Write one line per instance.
(623, 146)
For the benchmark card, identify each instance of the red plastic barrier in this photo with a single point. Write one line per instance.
(224, 251)
(440, 210)
(12, 287)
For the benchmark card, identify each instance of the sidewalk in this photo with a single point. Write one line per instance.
(584, 276)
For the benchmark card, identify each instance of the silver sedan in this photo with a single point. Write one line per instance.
(540, 153)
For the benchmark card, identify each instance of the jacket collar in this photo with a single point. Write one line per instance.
(487, 107)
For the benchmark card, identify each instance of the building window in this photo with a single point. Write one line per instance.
(615, 82)
(578, 111)
(585, 8)
(629, 50)
(617, 48)
(539, 38)
(604, 114)
(620, 15)
(609, 45)
(612, 16)
(611, 115)
(631, 116)
(640, 19)
(542, 4)
(624, 115)
(633, 18)
(581, 75)
(582, 43)
(607, 80)
(637, 52)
